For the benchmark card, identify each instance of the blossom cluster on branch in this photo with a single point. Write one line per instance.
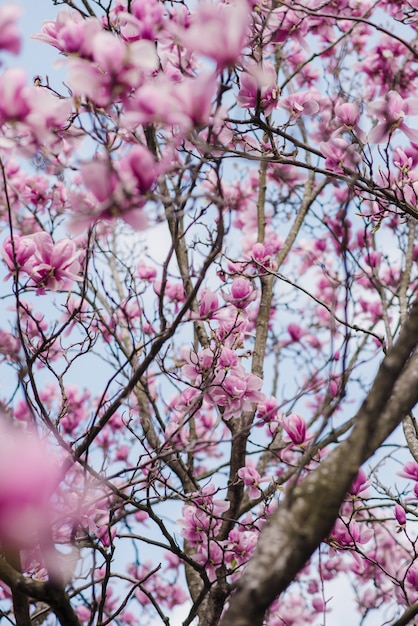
(208, 324)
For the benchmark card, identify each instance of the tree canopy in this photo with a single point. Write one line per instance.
(209, 314)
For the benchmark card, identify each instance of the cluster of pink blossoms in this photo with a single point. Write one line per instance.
(158, 89)
(49, 265)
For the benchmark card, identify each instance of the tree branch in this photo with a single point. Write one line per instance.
(307, 514)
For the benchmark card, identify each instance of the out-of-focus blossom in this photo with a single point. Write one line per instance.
(218, 31)
(9, 34)
(410, 470)
(14, 96)
(28, 477)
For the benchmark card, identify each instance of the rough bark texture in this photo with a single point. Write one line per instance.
(47, 592)
(308, 513)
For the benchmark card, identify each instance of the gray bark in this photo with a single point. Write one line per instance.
(309, 511)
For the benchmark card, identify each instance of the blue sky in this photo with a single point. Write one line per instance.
(36, 56)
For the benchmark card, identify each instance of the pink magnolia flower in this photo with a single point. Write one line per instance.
(88, 81)
(400, 514)
(99, 178)
(69, 32)
(194, 97)
(295, 332)
(350, 534)
(252, 479)
(301, 103)
(144, 21)
(410, 470)
(54, 265)
(359, 484)
(236, 392)
(197, 525)
(267, 411)
(208, 303)
(211, 555)
(412, 577)
(48, 115)
(112, 69)
(108, 52)
(284, 23)
(9, 346)
(146, 272)
(218, 31)
(14, 95)
(117, 187)
(197, 364)
(28, 476)
(18, 252)
(184, 103)
(139, 169)
(240, 545)
(9, 34)
(295, 427)
(348, 113)
(391, 112)
(258, 88)
(242, 293)
(340, 155)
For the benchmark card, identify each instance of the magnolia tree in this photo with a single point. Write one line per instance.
(209, 320)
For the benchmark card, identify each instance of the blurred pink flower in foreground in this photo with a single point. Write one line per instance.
(218, 31)
(28, 477)
(9, 34)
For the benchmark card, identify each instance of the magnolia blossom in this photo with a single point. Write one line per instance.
(340, 155)
(295, 427)
(218, 31)
(242, 293)
(54, 264)
(28, 477)
(197, 525)
(359, 484)
(236, 392)
(144, 21)
(117, 189)
(17, 252)
(301, 103)
(9, 34)
(410, 470)
(48, 264)
(258, 88)
(391, 112)
(14, 95)
(208, 303)
(350, 533)
(400, 514)
(252, 479)
(412, 577)
(348, 113)
(68, 32)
